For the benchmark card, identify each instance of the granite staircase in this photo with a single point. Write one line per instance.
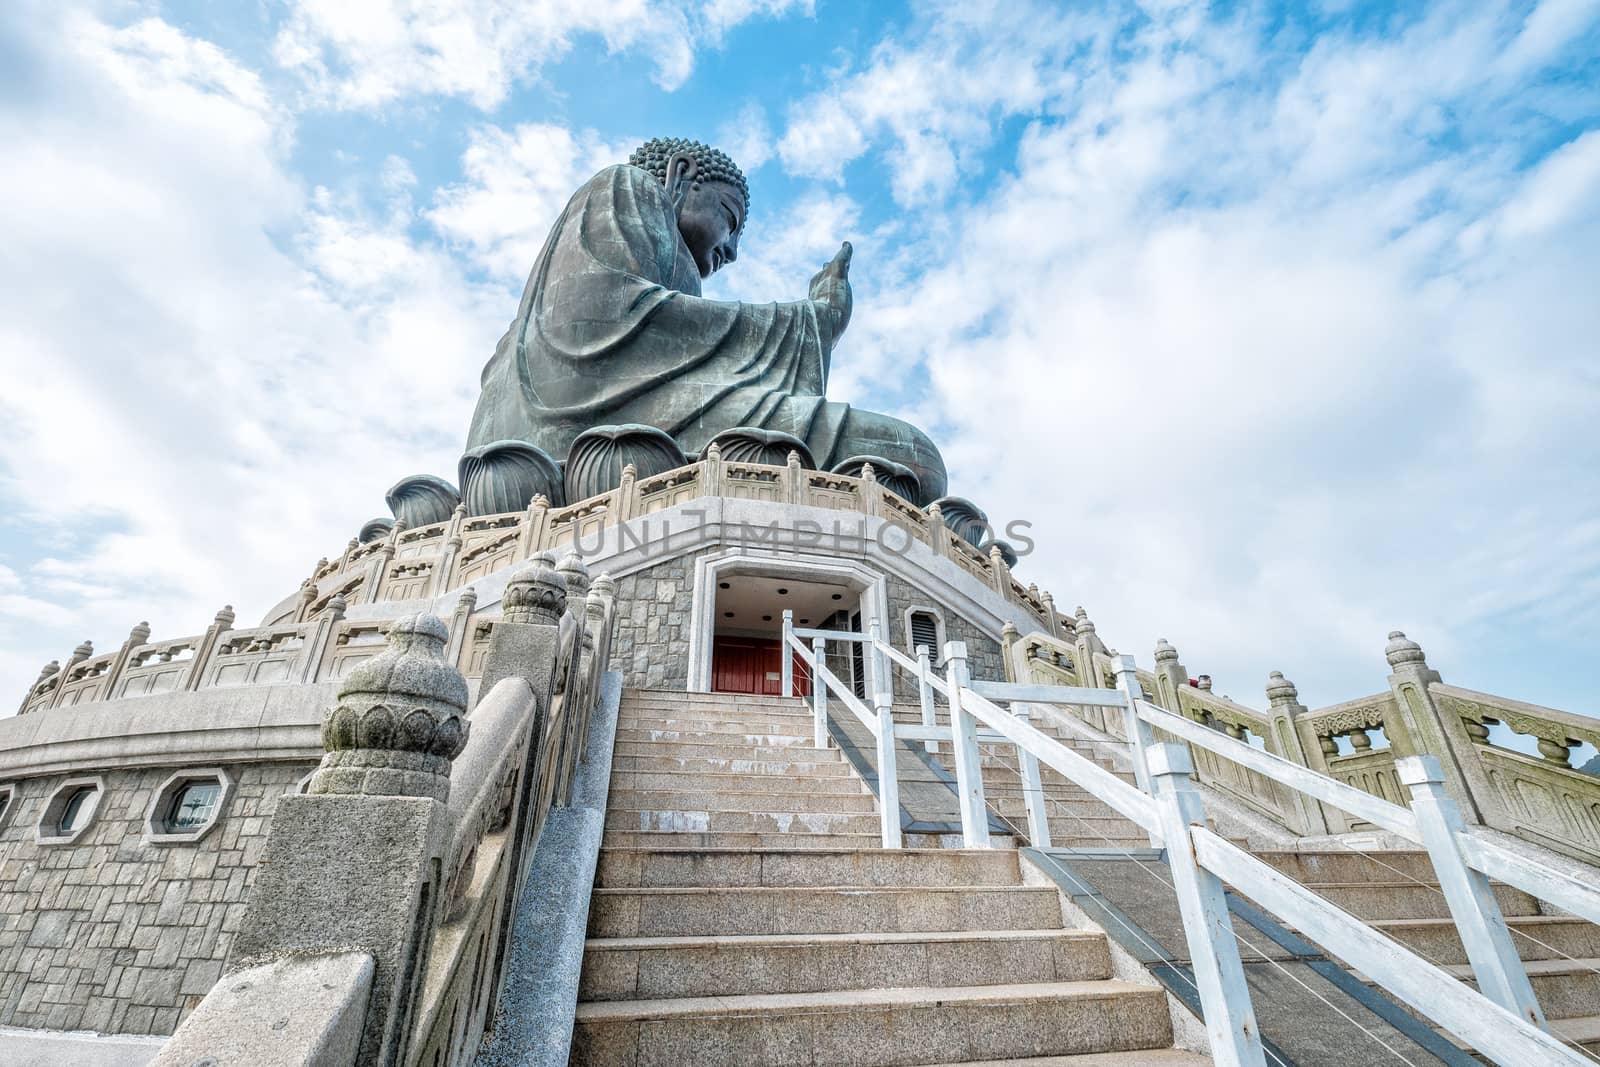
(743, 914)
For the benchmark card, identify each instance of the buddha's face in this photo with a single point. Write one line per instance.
(710, 220)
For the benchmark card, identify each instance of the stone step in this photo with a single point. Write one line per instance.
(1565, 989)
(738, 839)
(761, 800)
(679, 696)
(1411, 900)
(720, 723)
(1536, 937)
(872, 1028)
(702, 912)
(736, 737)
(684, 867)
(717, 820)
(651, 967)
(1311, 866)
(704, 782)
(831, 766)
(722, 750)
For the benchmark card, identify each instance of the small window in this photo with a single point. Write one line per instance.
(925, 632)
(75, 812)
(70, 811)
(187, 806)
(192, 806)
(8, 794)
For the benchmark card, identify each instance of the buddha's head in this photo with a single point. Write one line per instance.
(710, 194)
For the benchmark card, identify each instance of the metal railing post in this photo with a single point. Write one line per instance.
(819, 695)
(1495, 962)
(964, 748)
(881, 692)
(888, 772)
(871, 662)
(1140, 736)
(925, 695)
(1032, 788)
(1224, 997)
(786, 687)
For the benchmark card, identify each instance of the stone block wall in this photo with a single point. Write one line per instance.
(985, 658)
(655, 609)
(117, 936)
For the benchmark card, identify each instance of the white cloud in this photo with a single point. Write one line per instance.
(363, 55)
(1221, 339)
(200, 354)
(747, 138)
(514, 184)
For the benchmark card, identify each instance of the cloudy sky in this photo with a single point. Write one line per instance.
(1279, 323)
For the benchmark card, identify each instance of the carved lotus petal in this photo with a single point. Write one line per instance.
(597, 456)
(339, 729)
(375, 727)
(964, 518)
(422, 500)
(899, 479)
(416, 730)
(752, 444)
(449, 738)
(504, 476)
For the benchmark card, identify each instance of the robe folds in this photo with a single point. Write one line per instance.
(612, 329)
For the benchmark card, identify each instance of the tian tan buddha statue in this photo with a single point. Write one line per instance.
(612, 332)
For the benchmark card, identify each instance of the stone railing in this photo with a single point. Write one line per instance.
(324, 647)
(444, 806)
(409, 564)
(312, 642)
(1543, 799)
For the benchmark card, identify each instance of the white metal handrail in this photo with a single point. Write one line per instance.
(1503, 1021)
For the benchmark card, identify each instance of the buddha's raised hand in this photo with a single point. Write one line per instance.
(830, 287)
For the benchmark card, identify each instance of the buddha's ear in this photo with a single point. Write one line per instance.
(681, 169)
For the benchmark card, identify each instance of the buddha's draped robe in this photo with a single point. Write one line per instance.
(612, 329)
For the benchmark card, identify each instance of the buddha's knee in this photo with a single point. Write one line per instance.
(869, 433)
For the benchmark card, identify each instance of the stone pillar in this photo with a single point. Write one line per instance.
(533, 526)
(1305, 814)
(794, 476)
(1433, 732)
(1009, 636)
(221, 624)
(440, 581)
(1171, 678)
(79, 654)
(137, 636)
(355, 863)
(51, 668)
(320, 639)
(1086, 644)
(1054, 620)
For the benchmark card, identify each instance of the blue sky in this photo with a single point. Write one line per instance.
(1276, 321)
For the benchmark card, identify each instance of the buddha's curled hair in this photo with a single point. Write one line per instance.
(710, 164)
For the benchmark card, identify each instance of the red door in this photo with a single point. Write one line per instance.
(752, 665)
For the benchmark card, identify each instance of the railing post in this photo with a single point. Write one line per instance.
(1495, 962)
(871, 662)
(1032, 789)
(925, 694)
(786, 687)
(1430, 731)
(1224, 997)
(881, 692)
(888, 772)
(1140, 737)
(819, 695)
(964, 747)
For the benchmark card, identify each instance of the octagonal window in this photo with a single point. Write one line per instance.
(187, 806)
(70, 810)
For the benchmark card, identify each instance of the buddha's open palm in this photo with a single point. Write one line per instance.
(830, 287)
